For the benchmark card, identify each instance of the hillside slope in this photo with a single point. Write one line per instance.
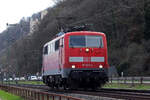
(125, 23)
(13, 33)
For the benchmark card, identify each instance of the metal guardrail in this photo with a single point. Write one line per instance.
(130, 80)
(33, 94)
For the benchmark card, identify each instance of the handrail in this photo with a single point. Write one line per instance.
(33, 94)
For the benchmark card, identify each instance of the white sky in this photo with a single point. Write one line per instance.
(11, 11)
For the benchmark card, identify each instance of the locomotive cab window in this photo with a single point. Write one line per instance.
(56, 45)
(62, 42)
(45, 51)
(90, 41)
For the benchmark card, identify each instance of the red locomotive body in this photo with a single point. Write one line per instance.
(76, 59)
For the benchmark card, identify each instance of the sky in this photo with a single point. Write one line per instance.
(11, 11)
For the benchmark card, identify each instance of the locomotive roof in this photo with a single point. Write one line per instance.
(76, 32)
(54, 39)
(87, 32)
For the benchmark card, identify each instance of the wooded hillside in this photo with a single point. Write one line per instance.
(125, 22)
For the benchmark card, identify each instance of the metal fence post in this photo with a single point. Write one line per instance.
(53, 97)
(141, 80)
(43, 96)
(111, 79)
(35, 95)
(25, 95)
(125, 79)
(38, 96)
(118, 80)
(47, 97)
(132, 81)
(28, 94)
(59, 97)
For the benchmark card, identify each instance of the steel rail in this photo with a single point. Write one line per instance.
(118, 94)
(113, 93)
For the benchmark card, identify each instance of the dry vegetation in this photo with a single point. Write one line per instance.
(125, 22)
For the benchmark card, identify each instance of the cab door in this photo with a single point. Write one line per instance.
(61, 55)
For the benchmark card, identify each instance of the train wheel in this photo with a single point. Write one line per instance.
(64, 87)
(52, 86)
(73, 85)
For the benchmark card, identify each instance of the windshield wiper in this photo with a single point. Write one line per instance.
(71, 45)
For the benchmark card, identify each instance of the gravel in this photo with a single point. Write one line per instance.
(89, 97)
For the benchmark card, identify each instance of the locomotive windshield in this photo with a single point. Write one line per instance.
(86, 41)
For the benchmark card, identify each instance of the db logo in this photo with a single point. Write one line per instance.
(86, 59)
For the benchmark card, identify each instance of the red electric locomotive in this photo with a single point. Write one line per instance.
(76, 59)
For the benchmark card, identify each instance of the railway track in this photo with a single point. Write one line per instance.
(126, 94)
(118, 94)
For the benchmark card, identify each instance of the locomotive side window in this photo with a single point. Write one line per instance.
(56, 45)
(62, 42)
(49, 49)
(53, 47)
(45, 50)
(86, 41)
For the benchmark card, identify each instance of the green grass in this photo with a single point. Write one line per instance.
(26, 82)
(127, 86)
(31, 82)
(7, 96)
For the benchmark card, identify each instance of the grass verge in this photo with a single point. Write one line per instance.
(7, 96)
(26, 82)
(127, 86)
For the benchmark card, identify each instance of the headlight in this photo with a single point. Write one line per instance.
(87, 49)
(100, 66)
(73, 66)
